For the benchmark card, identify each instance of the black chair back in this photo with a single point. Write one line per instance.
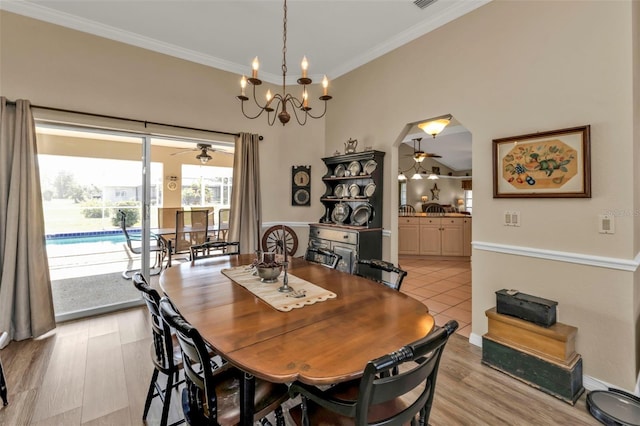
(164, 356)
(322, 256)
(214, 249)
(212, 395)
(378, 398)
(392, 271)
(3, 383)
(375, 389)
(162, 340)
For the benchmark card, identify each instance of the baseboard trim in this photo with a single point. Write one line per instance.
(561, 256)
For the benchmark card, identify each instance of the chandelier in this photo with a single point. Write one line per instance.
(279, 102)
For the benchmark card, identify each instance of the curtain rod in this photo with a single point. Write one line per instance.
(132, 120)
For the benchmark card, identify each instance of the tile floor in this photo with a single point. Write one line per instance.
(443, 285)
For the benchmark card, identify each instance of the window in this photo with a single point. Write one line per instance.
(468, 200)
(206, 186)
(403, 193)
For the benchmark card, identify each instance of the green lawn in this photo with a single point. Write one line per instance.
(63, 215)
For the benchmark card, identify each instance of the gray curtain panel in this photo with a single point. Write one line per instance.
(245, 221)
(26, 304)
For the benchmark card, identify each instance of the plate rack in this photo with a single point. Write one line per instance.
(355, 180)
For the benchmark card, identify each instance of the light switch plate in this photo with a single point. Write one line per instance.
(515, 218)
(507, 218)
(606, 224)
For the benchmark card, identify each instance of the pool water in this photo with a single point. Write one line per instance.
(110, 238)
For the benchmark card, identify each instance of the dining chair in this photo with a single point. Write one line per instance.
(214, 249)
(211, 397)
(3, 383)
(166, 357)
(191, 229)
(156, 246)
(376, 399)
(366, 266)
(406, 209)
(322, 256)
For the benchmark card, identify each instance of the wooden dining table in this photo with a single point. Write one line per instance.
(323, 343)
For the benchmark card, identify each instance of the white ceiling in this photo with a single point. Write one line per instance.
(337, 36)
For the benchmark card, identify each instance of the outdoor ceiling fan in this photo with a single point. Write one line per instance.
(204, 149)
(419, 155)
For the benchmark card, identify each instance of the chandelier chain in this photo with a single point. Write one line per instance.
(284, 45)
(278, 101)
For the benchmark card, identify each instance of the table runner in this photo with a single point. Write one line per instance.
(269, 293)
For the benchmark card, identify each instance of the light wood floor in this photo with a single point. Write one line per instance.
(96, 372)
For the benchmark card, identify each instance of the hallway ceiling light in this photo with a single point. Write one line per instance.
(279, 101)
(434, 127)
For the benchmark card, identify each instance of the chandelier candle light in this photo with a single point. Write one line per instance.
(279, 101)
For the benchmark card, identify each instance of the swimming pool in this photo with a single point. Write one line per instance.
(84, 239)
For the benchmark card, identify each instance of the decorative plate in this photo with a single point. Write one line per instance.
(361, 214)
(301, 196)
(339, 170)
(340, 213)
(339, 190)
(354, 190)
(370, 189)
(354, 167)
(370, 166)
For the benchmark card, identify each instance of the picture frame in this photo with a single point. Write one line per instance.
(553, 164)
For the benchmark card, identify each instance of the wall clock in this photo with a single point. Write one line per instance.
(172, 185)
(300, 185)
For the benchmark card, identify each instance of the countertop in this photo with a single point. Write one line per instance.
(435, 215)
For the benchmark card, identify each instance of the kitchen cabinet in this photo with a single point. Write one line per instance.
(452, 236)
(408, 235)
(430, 236)
(466, 236)
(434, 236)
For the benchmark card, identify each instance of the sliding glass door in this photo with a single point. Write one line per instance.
(96, 180)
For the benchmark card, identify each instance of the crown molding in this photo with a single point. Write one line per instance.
(450, 10)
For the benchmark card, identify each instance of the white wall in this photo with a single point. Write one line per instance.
(57, 67)
(508, 68)
(512, 68)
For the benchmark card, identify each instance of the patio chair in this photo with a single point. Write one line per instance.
(223, 224)
(167, 216)
(188, 232)
(156, 246)
(211, 397)
(365, 266)
(3, 383)
(377, 399)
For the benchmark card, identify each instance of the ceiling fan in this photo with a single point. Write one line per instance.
(204, 149)
(419, 155)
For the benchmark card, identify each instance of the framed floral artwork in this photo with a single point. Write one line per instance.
(554, 164)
